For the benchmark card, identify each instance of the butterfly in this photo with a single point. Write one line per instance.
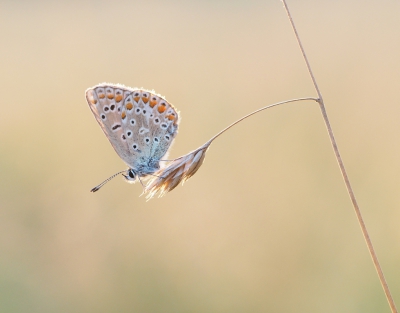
(141, 126)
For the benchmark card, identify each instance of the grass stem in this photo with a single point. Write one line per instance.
(344, 173)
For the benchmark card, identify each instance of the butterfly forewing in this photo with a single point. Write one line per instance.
(139, 124)
(105, 112)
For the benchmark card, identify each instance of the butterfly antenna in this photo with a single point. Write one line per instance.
(106, 181)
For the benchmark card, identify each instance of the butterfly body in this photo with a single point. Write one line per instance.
(140, 125)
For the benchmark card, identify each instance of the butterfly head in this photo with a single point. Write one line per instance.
(130, 176)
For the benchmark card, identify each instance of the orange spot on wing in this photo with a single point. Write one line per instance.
(161, 108)
(123, 115)
(145, 99)
(170, 117)
(118, 98)
(153, 103)
(129, 106)
(110, 96)
(93, 101)
(102, 96)
(136, 99)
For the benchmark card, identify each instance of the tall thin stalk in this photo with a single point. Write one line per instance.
(343, 171)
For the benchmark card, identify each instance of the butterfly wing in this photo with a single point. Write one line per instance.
(105, 101)
(139, 124)
(158, 122)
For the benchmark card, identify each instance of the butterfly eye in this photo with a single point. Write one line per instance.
(131, 174)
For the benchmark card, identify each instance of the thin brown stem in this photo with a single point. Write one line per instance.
(255, 112)
(344, 173)
(207, 144)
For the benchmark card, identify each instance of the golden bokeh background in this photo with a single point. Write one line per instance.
(266, 224)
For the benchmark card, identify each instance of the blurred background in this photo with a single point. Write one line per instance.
(266, 224)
